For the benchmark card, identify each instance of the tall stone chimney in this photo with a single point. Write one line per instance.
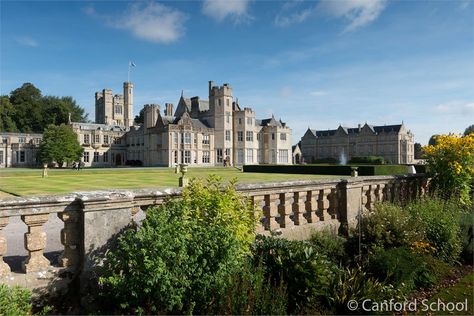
(210, 87)
(168, 109)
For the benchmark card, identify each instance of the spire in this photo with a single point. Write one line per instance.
(182, 93)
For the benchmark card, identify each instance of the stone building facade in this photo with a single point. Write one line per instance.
(200, 132)
(392, 142)
(19, 149)
(212, 132)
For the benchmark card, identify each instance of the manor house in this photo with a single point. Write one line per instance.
(392, 142)
(217, 131)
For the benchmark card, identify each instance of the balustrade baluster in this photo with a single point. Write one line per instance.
(284, 209)
(4, 268)
(332, 210)
(35, 242)
(365, 197)
(70, 238)
(380, 192)
(270, 210)
(298, 206)
(323, 204)
(311, 206)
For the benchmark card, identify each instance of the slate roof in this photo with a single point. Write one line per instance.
(350, 130)
(102, 127)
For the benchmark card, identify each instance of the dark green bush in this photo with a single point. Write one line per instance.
(306, 273)
(467, 237)
(440, 221)
(180, 259)
(330, 245)
(343, 170)
(250, 292)
(406, 270)
(326, 160)
(388, 226)
(376, 160)
(354, 284)
(14, 300)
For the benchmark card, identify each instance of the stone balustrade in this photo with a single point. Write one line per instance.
(292, 209)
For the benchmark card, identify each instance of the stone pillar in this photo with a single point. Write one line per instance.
(333, 204)
(70, 238)
(371, 197)
(35, 242)
(323, 204)
(4, 268)
(311, 206)
(270, 211)
(284, 209)
(298, 206)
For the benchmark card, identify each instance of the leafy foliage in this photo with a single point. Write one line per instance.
(14, 300)
(306, 273)
(388, 226)
(60, 144)
(27, 110)
(180, 259)
(451, 164)
(376, 160)
(440, 221)
(466, 223)
(330, 245)
(406, 270)
(354, 284)
(469, 130)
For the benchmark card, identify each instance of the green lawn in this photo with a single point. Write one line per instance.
(460, 292)
(24, 182)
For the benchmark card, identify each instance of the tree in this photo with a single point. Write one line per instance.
(60, 144)
(6, 113)
(140, 118)
(432, 140)
(469, 130)
(33, 112)
(418, 151)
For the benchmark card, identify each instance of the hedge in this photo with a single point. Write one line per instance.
(340, 170)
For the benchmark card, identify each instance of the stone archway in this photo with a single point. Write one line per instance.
(297, 158)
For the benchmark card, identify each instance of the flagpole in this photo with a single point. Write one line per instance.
(128, 78)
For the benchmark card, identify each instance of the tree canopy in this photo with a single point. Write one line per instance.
(140, 118)
(60, 144)
(469, 130)
(27, 110)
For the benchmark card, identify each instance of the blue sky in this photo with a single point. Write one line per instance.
(315, 64)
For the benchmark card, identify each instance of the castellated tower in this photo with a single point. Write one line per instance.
(151, 115)
(128, 103)
(115, 109)
(220, 108)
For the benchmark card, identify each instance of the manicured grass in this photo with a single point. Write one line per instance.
(460, 292)
(25, 182)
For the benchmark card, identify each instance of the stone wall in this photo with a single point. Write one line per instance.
(291, 209)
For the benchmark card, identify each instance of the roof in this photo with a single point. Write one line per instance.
(102, 127)
(355, 130)
(271, 122)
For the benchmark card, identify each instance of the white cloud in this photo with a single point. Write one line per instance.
(220, 9)
(286, 92)
(318, 93)
(27, 41)
(283, 20)
(150, 21)
(456, 108)
(358, 12)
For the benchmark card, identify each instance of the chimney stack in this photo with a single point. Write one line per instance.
(168, 109)
(210, 87)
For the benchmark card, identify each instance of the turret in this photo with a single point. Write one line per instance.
(128, 103)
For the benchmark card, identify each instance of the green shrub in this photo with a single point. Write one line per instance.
(388, 226)
(181, 257)
(440, 221)
(467, 237)
(354, 284)
(406, 270)
(14, 301)
(306, 273)
(330, 245)
(343, 170)
(250, 292)
(376, 160)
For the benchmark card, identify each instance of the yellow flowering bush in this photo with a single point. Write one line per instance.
(451, 165)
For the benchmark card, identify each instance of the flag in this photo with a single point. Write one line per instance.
(132, 64)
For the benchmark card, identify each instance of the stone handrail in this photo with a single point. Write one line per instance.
(91, 219)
